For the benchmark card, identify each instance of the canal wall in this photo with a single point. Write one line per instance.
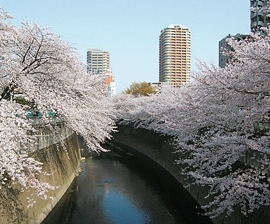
(60, 155)
(157, 148)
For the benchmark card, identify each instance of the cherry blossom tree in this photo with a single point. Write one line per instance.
(220, 125)
(45, 71)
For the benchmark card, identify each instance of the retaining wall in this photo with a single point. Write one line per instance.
(159, 149)
(60, 156)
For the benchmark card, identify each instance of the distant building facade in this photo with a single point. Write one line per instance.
(223, 45)
(110, 84)
(258, 19)
(159, 86)
(174, 55)
(98, 61)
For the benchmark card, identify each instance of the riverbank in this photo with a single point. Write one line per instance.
(60, 156)
(157, 148)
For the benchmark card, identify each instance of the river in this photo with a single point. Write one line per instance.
(118, 188)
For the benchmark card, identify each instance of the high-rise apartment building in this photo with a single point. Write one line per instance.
(258, 19)
(174, 55)
(98, 61)
(224, 46)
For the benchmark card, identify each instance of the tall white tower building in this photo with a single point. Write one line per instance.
(98, 61)
(174, 55)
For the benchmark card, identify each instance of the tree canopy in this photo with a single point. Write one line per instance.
(140, 89)
(221, 126)
(41, 72)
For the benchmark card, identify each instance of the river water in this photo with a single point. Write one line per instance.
(120, 189)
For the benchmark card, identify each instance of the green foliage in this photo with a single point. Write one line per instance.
(23, 101)
(140, 88)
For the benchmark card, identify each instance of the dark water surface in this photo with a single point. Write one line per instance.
(117, 189)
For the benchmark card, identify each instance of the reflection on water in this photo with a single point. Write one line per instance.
(119, 209)
(111, 191)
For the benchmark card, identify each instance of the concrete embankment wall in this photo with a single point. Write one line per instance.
(60, 156)
(159, 149)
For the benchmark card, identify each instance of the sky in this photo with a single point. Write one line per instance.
(129, 29)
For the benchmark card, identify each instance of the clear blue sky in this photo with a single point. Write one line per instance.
(129, 29)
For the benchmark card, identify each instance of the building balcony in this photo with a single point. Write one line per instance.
(253, 15)
(257, 24)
